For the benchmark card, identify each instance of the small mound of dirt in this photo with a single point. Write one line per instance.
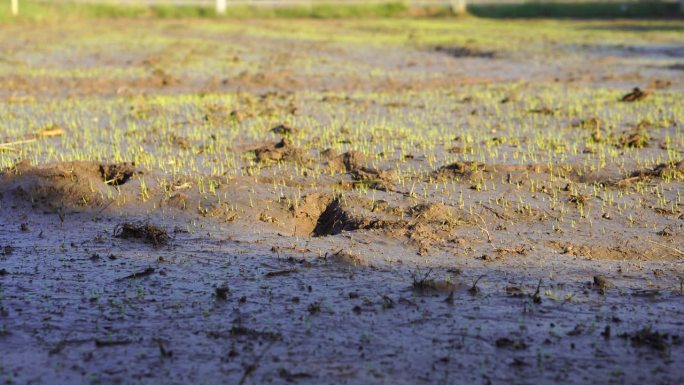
(673, 170)
(638, 138)
(64, 184)
(473, 171)
(433, 213)
(163, 78)
(281, 151)
(375, 179)
(425, 236)
(334, 220)
(283, 130)
(321, 215)
(461, 170)
(117, 174)
(307, 212)
(461, 52)
(347, 162)
(636, 95)
(329, 154)
(144, 231)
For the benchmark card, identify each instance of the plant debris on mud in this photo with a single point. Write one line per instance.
(144, 231)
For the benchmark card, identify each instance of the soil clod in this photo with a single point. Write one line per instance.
(283, 151)
(221, 292)
(347, 162)
(601, 282)
(648, 337)
(145, 231)
(638, 138)
(636, 95)
(117, 174)
(335, 220)
(284, 130)
(140, 274)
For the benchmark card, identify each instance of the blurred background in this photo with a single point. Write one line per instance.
(42, 9)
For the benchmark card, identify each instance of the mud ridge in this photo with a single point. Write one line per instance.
(66, 184)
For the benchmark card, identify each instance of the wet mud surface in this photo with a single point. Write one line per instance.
(211, 310)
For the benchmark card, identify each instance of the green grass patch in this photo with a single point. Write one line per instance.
(322, 11)
(33, 11)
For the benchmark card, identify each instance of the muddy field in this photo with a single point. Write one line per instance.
(361, 202)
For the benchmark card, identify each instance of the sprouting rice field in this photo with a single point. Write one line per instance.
(396, 201)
